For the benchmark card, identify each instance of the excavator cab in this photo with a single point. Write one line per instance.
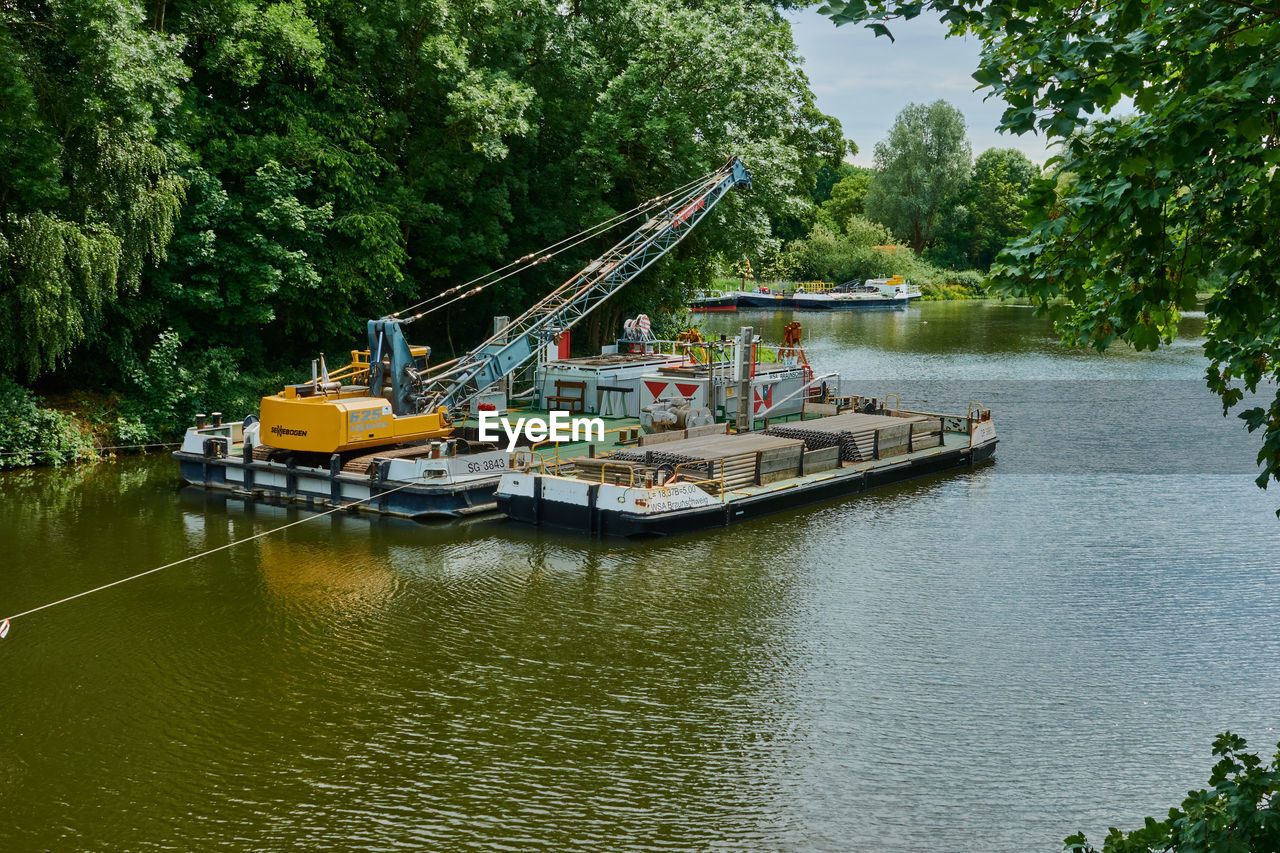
(377, 408)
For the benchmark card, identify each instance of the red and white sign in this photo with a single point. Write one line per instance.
(4, 629)
(687, 389)
(658, 389)
(764, 398)
(655, 388)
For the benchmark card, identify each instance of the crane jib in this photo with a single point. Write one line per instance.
(690, 210)
(564, 307)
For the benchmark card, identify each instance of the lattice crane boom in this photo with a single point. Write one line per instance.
(452, 385)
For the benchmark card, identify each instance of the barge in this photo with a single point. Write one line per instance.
(390, 433)
(449, 478)
(880, 293)
(638, 387)
(669, 487)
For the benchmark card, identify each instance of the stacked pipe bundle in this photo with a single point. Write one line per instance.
(609, 469)
(864, 437)
(741, 460)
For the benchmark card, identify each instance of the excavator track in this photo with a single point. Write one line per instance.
(363, 465)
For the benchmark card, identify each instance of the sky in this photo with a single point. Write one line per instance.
(865, 81)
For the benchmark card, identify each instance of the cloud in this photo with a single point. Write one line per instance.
(865, 81)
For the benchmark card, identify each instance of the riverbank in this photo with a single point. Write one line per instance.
(77, 425)
(70, 428)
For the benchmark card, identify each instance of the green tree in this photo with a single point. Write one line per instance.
(1239, 812)
(828, 176)
(1176, 196)
(339, 160)
(88, 193)
(295, 227)
(655, 117)
(355, 157)
(979, 222)
(826, 255)
(1001, 180)
(923, 163)
(848, 198)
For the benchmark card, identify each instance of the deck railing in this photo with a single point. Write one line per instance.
(631, 473)
(701, 482)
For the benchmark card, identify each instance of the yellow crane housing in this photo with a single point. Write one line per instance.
(326, 416)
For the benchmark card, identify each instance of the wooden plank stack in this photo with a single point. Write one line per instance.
(681, 434)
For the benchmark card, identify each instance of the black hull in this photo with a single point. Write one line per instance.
(320, 489)
(605, 522)
(724, 303)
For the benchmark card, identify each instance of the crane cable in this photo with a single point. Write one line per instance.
(4, 623)
(534, 258)
(438, 371)
(599, 229)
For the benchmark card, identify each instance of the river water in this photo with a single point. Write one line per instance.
(983, 660)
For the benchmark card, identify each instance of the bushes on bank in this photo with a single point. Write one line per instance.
(954, 284)
(166, 391)
(31, 434)
(173, 384)
(865, 250)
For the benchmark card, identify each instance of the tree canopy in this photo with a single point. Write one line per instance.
(1166, 121)
(981, 219)
(1238, 812)
(848, 198)
(263, 176)
(924, 161)
(89, 192)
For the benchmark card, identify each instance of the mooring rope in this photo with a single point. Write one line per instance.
(5, 622)
(97, 449)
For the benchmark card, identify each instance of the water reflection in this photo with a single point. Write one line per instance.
(1059, 644)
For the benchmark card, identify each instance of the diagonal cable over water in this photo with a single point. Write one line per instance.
(189, 559)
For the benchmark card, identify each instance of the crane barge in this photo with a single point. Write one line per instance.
(390, 416)
(405, 400)
(389, 432)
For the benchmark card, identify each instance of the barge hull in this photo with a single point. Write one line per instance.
(321, 489)
(572, 513)
(763, 302)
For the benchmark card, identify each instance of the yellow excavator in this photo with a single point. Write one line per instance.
(389, 394)
(327, 415)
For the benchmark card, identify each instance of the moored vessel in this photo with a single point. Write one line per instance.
(708, 481)
(389, 432)
(636, 386)
(881, 293)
